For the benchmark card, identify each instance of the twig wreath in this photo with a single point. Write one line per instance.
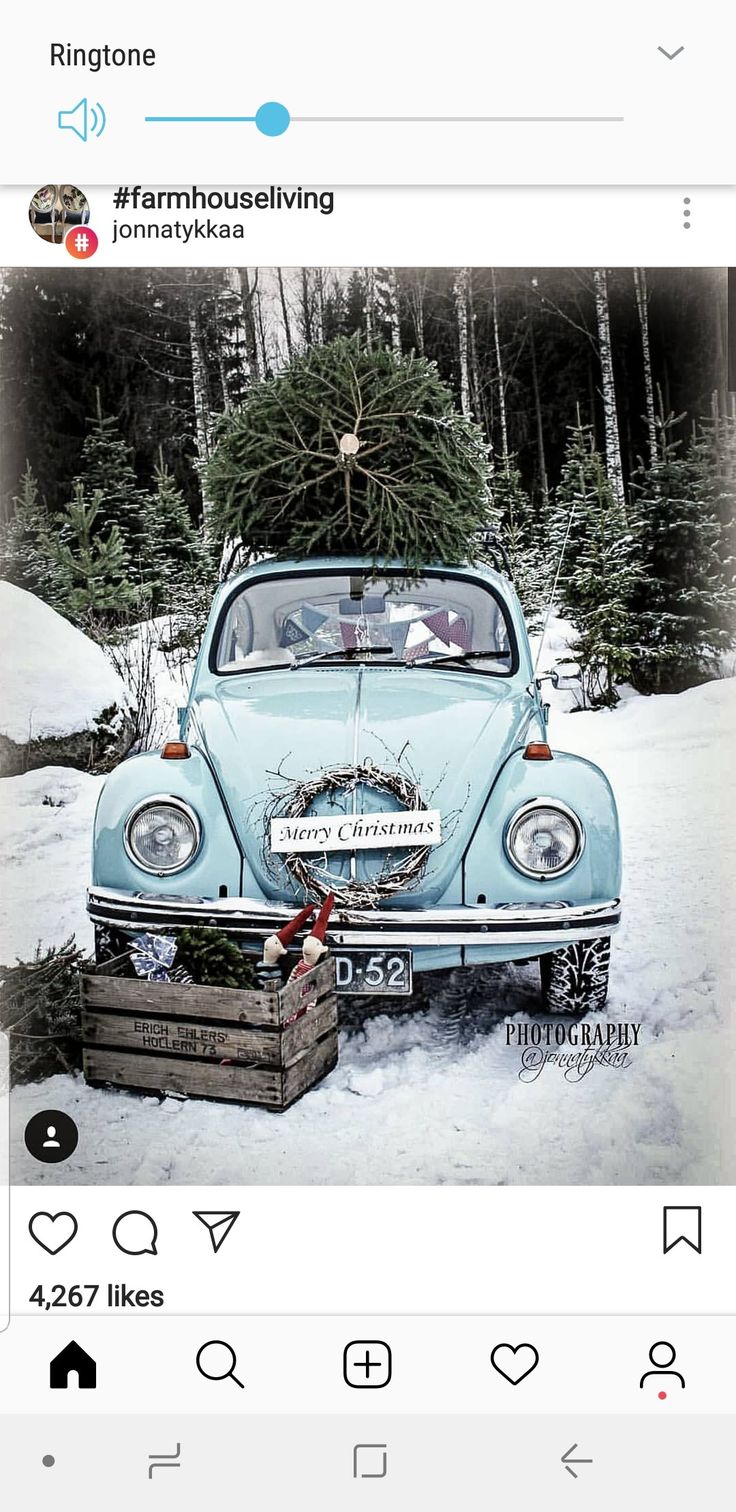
(312, 873)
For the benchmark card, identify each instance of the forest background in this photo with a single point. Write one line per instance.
(600, 395)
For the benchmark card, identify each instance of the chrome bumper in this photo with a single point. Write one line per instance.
(472, 924)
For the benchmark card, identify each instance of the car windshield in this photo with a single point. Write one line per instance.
(293, 620)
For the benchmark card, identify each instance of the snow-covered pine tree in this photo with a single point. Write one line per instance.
(23, 559)
(718, 436)
(106, 474)
(600, 569)
(181, 566)
(525, 542)
(685, 601)
(90, 577)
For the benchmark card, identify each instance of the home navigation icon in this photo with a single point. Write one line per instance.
(73, 1361)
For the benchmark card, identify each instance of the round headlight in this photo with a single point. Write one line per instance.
(162, 835)
(544, 838)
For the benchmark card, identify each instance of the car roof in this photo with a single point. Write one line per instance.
(271, 566)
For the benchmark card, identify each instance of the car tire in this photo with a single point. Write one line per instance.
(575, 980)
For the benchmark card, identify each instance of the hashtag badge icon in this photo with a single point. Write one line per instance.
(82, 243)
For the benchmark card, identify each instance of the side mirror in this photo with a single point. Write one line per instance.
(566, 676)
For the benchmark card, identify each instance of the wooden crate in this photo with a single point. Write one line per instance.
(266, 1047)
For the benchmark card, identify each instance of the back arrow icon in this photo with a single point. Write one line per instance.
(568, 1462)
(673, 55)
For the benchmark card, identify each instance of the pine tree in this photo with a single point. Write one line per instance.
(356, 450)
(106, 474)
(23, 558)
(520, 532)
(89, 570)
(716, 443)
(685, 602)
(180, 562)
(212, 959)
(599, 572)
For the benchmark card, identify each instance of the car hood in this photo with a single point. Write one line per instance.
(451, 732)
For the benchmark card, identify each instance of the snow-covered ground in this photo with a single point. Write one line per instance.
(407, 1105)
(45, 837)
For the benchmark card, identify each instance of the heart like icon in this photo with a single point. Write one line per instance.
(515, 1361)
(53, 1231)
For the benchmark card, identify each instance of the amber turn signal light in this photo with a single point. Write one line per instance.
(175, 750)
(538, 750)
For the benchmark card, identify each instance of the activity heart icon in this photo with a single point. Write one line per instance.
(515, 1361)
(53, 1231)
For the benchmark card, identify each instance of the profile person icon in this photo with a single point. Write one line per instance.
(662, 1356)
(51, 1136)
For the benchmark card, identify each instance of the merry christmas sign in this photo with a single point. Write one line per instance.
(408, 827)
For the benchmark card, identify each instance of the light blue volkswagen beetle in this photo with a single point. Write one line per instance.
(348, 730)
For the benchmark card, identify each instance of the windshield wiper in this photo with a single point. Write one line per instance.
(461, 656)
(348, 653)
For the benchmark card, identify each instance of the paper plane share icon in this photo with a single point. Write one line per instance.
(218, 1226)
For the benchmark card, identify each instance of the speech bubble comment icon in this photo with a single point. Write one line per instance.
(135, 1233)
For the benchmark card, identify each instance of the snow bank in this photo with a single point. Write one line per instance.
(61, 699)
(45, 839)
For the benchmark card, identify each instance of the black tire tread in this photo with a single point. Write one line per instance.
(575, 979)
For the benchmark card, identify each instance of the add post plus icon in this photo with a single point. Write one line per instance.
(367, 1364)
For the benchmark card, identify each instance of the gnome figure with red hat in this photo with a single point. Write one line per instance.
(276, 946)
(314, 947)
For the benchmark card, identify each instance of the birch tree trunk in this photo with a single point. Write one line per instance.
(222, 348)
(249, 294)
(237, 364)
(461, 313)
(307, 321)
(614, 467)
(501, 378)
(319, 304)
(642, 305)
(416, 293)
(476, 386)
(285, 315)
(387, 301)
(262, 339)
(200, 391)
(370, 306)
(544, 484)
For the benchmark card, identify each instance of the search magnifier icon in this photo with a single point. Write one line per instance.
(216, 1361)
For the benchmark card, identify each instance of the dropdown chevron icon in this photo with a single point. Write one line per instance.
(673, 55)
(568, 1461)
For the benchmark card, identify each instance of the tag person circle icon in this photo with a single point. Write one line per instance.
(51, 1136)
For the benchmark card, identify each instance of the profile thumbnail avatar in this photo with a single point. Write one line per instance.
(55, 209)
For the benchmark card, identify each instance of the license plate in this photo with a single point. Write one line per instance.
(363, 972)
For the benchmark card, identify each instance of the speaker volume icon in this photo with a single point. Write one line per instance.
(84, 119)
